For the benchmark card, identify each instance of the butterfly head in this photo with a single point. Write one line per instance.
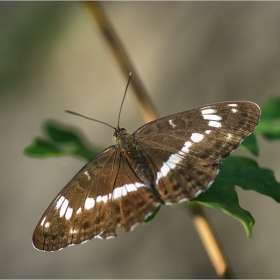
(125, 141)
(119, 132)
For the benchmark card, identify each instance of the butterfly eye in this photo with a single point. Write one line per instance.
(123, 129)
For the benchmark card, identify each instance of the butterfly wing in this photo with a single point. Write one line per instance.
(96, 201)
(184, 149)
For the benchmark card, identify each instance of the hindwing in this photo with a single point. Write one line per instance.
(103, 195)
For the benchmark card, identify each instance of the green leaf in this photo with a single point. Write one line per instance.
(269, 129)
(269, 125)
(59, 133)
(245, 173)
(42, 148)
(60, 140)
(250, 143)
(224, 197)
(150, 217)
(271, 108)
(236, 171)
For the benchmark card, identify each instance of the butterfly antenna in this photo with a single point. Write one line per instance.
(129, 77)
(76, 114)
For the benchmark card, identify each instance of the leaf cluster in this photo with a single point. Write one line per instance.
(241, 171)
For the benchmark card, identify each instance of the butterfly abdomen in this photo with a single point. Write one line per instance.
(132, 154)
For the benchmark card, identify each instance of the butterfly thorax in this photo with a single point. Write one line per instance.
(127, 143)
(132, 153)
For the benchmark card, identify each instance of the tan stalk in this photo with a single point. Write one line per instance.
(148, 111)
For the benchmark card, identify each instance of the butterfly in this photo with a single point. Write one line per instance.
(169, 160)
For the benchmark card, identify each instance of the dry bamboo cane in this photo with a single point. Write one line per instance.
(201, 223)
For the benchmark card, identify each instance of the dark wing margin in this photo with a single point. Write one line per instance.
(103, 195)
(184, 149)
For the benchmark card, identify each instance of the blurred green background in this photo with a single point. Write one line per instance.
(53, 57)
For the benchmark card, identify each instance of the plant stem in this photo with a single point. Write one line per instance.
(148, 111)
(210, 241)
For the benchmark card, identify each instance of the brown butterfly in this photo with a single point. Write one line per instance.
(169, 160)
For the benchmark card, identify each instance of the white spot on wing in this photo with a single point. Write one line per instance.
(214, 124)
(110, 237)
(198, 193)
(125, 189)
(212, 117)
(171, 123)
(43, 221)
(168, 203)
(89, 203)
(205, 107)
(99, 235)
(59, 202)
(183, 200)
(68, 214)
(186, 146)
(134, 226)
(79, 211)
(229, 135)
(163, 171)
(234, 110)
(232, 105)
(174, 160)
(171, 163)
(63, 207)
(47, 224)
(87, 174)
(207, 131)
(197, 137)
(208, 111)
(103, 198)
(117, 192)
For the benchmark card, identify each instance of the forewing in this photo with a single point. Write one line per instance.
(104, 194)
(184, 149)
